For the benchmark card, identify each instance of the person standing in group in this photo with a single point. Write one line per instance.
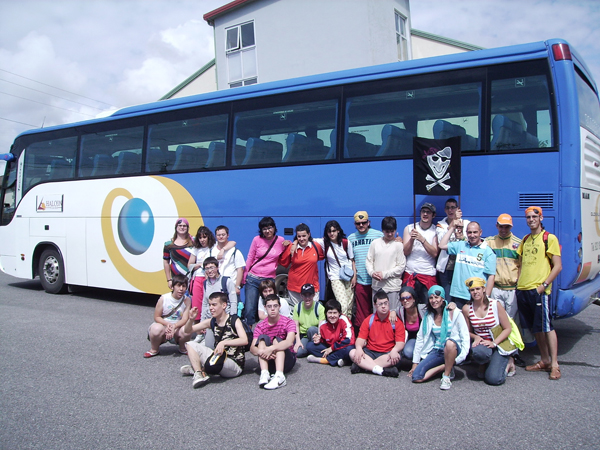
(385, 264)
(302, 257)
(360, 241)
(339, 262)
(232, 265)
(267, 287)
(261, 264)
(205, 245)
(508, 265)
(421, 249)
(445, 262)
(177, 251)
(540, 265)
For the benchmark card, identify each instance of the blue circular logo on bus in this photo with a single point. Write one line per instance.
(136, 226)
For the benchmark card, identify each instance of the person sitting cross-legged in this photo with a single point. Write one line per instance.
(335, 338)
(379, 342)
(230, 339)
(273, 343)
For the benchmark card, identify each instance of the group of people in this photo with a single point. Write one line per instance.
(436, 296)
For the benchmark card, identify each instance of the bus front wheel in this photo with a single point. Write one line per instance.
(52, 272)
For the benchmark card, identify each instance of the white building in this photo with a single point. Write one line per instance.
(258, 41)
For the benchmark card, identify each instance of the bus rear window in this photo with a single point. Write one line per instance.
(521, 116)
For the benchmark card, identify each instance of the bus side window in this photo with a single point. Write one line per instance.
(50, 160)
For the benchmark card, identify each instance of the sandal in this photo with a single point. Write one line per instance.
(511, 371)
(150, 354)
(539, 366)
(555, 373)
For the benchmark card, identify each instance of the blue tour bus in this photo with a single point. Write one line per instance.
(92, 203)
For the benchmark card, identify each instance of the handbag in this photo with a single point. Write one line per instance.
(513, 342)
(345, 273)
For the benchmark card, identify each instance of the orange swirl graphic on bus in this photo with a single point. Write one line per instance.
(136, 230)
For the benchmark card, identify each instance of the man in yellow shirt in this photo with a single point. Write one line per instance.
(540, 265)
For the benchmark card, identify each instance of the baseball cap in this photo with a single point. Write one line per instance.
(504, 219)
(360, 216)
(214, 364)
(307, 289)
(428, 206)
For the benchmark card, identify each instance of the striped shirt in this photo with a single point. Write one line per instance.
(482, 326)
(507, 260)
(178, 257)
(280, 330)
(360, 246)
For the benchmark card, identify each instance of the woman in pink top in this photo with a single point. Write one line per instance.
(261, 264)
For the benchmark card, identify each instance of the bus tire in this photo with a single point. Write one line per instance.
(52, 272)
(281, 285)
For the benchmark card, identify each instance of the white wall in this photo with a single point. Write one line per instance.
(207, 82)
(296, 38)
(424, 48)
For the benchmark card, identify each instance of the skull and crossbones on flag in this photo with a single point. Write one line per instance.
(437, 166)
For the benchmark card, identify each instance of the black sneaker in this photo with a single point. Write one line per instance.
(518, 361)
(391, 372)
(355, 368)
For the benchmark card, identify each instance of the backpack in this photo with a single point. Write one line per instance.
(373, 318)
(545, 239)
(316, 309)
(247, 329)
(223, 285)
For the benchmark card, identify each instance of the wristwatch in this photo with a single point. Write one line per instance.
(545, 284)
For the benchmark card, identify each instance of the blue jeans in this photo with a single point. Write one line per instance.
(495, 374)
(433, 359)
(252, 298)
(333, 357)
(409, 349)
(303, 352)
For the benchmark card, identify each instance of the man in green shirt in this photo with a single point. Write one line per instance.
(307, 315)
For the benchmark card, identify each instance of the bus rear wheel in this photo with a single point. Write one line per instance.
(52, 272)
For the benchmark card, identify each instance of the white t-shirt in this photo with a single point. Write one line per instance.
(419, 261)
(232, 260)
(201, 254)
(284, 310)
(333, 268)
(441, 230)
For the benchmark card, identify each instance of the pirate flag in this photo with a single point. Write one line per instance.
(436, 166)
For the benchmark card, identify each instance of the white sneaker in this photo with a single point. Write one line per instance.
(313, 359)
(446, 383)
(200, 379)
(341, 363)
(265, 377)
(187, 370)
(199, 338)
(276, 382)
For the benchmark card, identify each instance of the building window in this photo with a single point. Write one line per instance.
(402, 37)
(241, 55)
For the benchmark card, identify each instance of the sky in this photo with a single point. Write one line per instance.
(65, 61)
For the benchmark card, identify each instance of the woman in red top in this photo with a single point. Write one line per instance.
(301, 259)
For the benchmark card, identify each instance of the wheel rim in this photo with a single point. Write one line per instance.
(51, 269)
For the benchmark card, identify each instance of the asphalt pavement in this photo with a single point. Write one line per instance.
(73, 377)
